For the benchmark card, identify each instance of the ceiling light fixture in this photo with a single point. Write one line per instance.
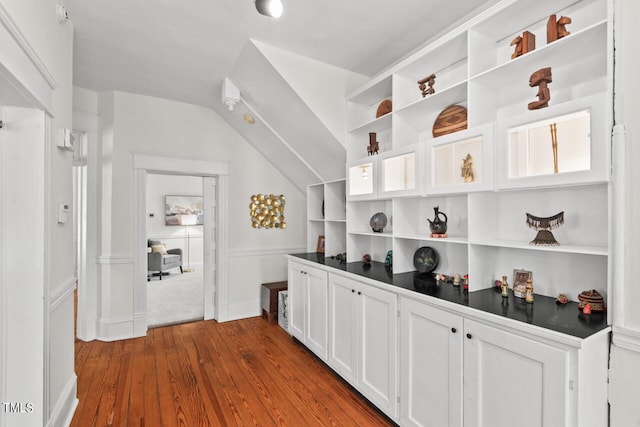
(272, 8)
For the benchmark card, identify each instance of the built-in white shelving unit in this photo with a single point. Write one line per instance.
(326, 216)
(414, 172)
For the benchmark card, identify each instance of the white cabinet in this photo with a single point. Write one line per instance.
(363, 339)
(455, 371)
(513, 380)
(430, 366)
(308, 298)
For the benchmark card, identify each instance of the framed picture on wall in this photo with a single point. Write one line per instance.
(183, 210)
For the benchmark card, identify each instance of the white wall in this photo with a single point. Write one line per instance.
(146, 125)
(158, 186)
(624, 373)
(49, 46)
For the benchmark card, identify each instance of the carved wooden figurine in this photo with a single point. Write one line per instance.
(523, 44)
(466, 170)
(541, 78)
(373, 144)
(422, 85)
(556, 29)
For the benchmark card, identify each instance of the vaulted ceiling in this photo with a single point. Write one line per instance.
(183, 50)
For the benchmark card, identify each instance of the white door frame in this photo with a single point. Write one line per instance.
(87, 317)
(216, 305)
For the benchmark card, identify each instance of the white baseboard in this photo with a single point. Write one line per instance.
(626, 338)
(115, 329)
(239, 311)
(65, 407)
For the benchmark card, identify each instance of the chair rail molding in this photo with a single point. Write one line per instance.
(626, 338)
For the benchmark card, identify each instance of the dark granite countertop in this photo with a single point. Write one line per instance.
(544, 311)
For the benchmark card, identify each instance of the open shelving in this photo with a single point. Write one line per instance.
(487, 233)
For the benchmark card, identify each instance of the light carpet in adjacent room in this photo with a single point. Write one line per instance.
(177, 298)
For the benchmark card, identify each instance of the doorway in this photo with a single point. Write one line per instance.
(175, 223)
(215, 179)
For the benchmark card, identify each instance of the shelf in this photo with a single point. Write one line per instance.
(415, 173)
(493, 35)
(421, 114)
(448, 61)
(450, 239)
(578, 64)
(378, 124)
(370, 233)
(570, 249)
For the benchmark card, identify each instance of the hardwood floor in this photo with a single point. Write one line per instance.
(205, 373)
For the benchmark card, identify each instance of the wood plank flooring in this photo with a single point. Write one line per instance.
(240, 373)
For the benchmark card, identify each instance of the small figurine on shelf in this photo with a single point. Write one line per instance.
(340, 257)
(366, 260)
(466, 170)
(388, 261)
(422, 85)
(529, 291)
(587, 309)
(465, 283)
(456, 280)
(561, 299)
(541, 78)
(523, 44)
(505, 287)
(373, 144)
(438, 226)
(556, 29)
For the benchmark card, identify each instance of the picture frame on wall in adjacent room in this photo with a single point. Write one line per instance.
(184, 210)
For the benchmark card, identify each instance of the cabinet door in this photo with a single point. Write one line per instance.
(296, 297)
(430, 366)
(316, 320)
(377, 367)
(511, 380)
(343, 350)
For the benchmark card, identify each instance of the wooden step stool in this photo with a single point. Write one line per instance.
(269, 299)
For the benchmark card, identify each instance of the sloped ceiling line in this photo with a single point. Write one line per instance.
(256, 115)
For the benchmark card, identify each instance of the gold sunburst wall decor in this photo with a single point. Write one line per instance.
(267, 211)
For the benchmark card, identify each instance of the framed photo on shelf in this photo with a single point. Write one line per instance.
(520, 277)
(320, 247)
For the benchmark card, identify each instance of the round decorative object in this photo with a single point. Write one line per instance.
(451, 119)
(425, 259)
(593, 299)
(385, 107)
(378, 221)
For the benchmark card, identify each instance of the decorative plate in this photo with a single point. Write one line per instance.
(426, 259)
(451, 119)
(378, 221)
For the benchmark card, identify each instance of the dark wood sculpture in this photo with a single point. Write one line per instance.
(556, 29)
(373, 144)
(426, 85)
(541, 78)
(523, 44)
